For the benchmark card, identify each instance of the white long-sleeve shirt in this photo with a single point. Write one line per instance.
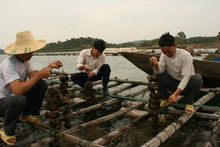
(179, 66)
(94, 63)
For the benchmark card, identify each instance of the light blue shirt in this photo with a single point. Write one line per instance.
(12, 69)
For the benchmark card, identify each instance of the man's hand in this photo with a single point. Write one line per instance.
(56, 64)
(90, 74)
(86, 67)
(172, 98)
(44, 72)
(153, 60)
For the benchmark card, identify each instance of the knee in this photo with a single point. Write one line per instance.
(197, 80)
(19, 101)
(106, 68)
(43, 85)
(73, 78)
(163, 75)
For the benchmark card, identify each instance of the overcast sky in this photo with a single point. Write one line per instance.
(115, 21)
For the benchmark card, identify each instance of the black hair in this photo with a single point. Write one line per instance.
(166, 40)
(99, 44)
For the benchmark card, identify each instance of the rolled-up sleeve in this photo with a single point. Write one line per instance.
(80, 60)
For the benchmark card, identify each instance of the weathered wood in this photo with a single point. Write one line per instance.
(90, 108)
(138, 92)
(120, 131)
(217, 89)
(100, 81)
(42, 142)
(76, 101)
(94, 107)
(128, 81)
(172, 128)
(214, 135)
(78, 141)
(136, 113)
(171, 110)
(204, 109)
(122, 89)
(109, 85)
(41, 126)
(103, 119)
(108, 117)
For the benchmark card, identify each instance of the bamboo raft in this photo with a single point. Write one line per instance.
(67, 115)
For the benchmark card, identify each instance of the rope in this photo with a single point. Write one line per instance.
(173, 104)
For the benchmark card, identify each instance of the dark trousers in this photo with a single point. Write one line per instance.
(103, 73)
(29, 103)
(167, 83)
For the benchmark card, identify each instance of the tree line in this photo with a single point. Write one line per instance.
(181, 39)
(77, 44)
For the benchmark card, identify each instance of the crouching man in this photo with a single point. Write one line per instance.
(21, 88)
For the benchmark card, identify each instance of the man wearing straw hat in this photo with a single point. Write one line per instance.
(19, 95)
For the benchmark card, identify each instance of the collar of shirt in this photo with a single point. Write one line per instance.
(89, 53)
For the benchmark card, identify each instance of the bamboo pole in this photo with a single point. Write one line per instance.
(99, 105)
(107, 117)
(90, 108)
(132, 82)
(76, 140)
(217, 89)
(172, 110)
(170, 130)
(120, 131)
(100, 81)
(93, 107)
(204, 109)
(136, 113)
(103, 119)
(138, 92)
(81, 100)
(42, 142)
(109, 85)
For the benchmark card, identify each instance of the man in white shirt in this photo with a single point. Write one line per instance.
(175, 72)
(19, 95)
(91, 63)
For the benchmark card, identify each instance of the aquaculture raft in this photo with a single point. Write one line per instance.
(64, 104)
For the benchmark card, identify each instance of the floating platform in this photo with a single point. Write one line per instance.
(71, 118)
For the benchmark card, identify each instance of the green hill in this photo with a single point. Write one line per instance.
(76, 44)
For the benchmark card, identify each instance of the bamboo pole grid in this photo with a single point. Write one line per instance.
(68, 136)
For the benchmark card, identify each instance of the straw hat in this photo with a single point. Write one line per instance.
(25, 43)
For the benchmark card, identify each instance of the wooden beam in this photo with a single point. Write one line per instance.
(120, 131)
(78, 141)
(173, 127)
